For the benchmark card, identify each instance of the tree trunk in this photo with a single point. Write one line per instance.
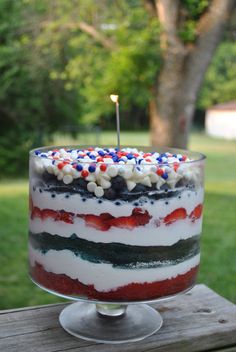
(175, 93)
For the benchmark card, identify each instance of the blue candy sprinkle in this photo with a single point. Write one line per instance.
(115, 158)
(79, 167)
(93, 157)
(165, 176)
(91, 168)
(53, 162)
(37, 152)
(101, 153)
(43, 155)
(129, 156)
(139, 161)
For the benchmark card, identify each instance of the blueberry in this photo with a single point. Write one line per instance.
(110, 193)
(81, 183)
(118, 183)
(139, 188)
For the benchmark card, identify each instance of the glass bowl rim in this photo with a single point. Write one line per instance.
(199, 156)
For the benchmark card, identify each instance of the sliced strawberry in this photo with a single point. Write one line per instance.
(177, 214)
(196, 213)
(96, 222)
(124, 222)
(106, 216)
(48, 213)
(141, 216)
(36, 213)
(65, 216)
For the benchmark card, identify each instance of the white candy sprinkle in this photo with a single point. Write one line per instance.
(153, 168)
(112, 170)
(91, 178)
(91, 186)
(67, 179)
(75, 173)
(99, 192)
(67, 169)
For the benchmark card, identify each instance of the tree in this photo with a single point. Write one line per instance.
(177, 42)
(191, 33)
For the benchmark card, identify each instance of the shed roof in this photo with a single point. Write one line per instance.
(229, 106)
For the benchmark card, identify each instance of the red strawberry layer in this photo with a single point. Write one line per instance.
(105, 221)
(135, 291)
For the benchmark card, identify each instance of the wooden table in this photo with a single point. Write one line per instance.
(199, 320)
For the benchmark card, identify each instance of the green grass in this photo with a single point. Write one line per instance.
(218, 265)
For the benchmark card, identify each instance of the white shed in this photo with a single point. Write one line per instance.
(221, 120)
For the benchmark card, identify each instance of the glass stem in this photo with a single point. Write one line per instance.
(111, 310)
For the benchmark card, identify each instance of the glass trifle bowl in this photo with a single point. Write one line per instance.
(114, 229)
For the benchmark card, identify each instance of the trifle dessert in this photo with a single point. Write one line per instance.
(112, 224)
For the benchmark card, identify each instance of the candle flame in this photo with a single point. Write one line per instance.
(114, 98)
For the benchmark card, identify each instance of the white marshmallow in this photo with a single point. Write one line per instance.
(99, 192)
(91, 186)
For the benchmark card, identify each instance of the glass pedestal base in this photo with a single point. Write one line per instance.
(110, 323)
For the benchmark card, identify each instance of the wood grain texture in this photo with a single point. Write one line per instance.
(200, 320)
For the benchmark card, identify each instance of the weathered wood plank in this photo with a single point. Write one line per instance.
(200, 320)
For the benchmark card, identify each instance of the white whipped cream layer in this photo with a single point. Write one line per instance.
(148, 235)
(104, 277)
(74, 203)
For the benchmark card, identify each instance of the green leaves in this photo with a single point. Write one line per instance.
(219, 85)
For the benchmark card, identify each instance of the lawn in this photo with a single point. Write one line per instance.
(218, 266)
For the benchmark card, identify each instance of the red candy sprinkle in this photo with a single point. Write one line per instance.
(99, 159)
(60, 166)
(84, 173)
(103, 167)
(160, 172)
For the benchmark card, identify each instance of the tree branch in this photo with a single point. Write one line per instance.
(88, 29)
(95, 34)
(210, 29)
(168, 12)
(150, 6)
